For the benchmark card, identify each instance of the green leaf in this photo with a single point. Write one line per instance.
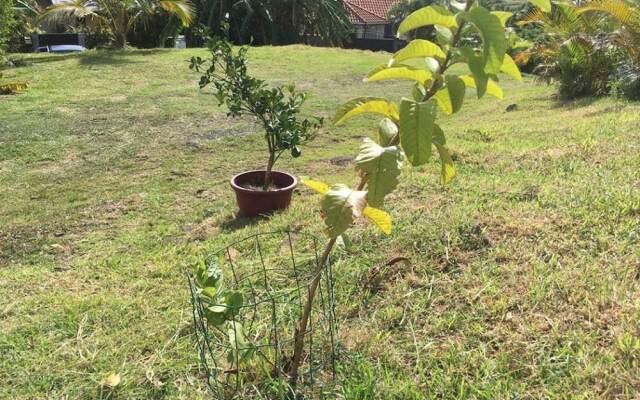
(340, 206)
(447, 170)
(418, 92)
(476, 66)
(208, 272)
(418, 48)
(382, 166)
(544, 5)
(510, 68)
(438, 136)
(209, 294)
(240, 346)
(491, 88)
(431, 15)
(493, 37)
(234, 301)
(503, 16)
(403, 72)
(364, 105)
(451, 96)
(387, 130)
(216, 315)
(416, 130)
(444, 36)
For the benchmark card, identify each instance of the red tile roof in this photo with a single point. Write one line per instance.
(369, 11)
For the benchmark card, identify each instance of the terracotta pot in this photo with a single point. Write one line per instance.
(254, 202)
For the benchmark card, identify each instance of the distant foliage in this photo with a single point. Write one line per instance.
(7, 23)
(273, 21)
(119, 18)
(591, 49)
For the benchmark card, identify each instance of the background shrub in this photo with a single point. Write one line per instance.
(7, 23)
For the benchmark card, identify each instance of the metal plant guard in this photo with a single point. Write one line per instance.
(273, 271)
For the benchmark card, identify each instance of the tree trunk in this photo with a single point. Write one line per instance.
(267, 174)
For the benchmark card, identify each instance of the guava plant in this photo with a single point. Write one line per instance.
(467, 35)
(275, 108)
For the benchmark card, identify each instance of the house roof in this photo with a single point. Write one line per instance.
(369, 11)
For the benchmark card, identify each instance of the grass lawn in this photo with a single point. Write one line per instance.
(114, 167)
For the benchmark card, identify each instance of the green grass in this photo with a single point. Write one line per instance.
(525, 276)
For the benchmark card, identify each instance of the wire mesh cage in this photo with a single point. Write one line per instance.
(246, 326)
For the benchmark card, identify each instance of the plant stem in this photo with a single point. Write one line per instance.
(301, 330)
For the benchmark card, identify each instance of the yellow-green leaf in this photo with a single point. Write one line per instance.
(416, 130)
(451, 96)
(431, 15)
(379, 218)
(364, 105)
(320, 187)
(448, 170)
(503, 16)
(510, 68)
(492, 87)
(340, 206)
(418, 48)
(112, 380)
(404, 72)
(13, 88)
(544, 5)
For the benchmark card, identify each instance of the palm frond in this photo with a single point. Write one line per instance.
(618, 9)
(183, 9)
(71, 10)
(536, 16)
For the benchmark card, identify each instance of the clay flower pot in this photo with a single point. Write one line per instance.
(254, 201)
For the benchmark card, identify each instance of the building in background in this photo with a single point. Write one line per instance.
(373, 30)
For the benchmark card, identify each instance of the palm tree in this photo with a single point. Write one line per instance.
(117, 17)
(589, 47)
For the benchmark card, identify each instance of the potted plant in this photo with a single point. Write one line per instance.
(275, 108)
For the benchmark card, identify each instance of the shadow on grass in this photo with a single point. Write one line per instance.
(98, 57)
(236, 222)
(575, 103)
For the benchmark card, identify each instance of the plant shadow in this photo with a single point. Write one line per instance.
(98, 57)
(574, 103)
(237, 222)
